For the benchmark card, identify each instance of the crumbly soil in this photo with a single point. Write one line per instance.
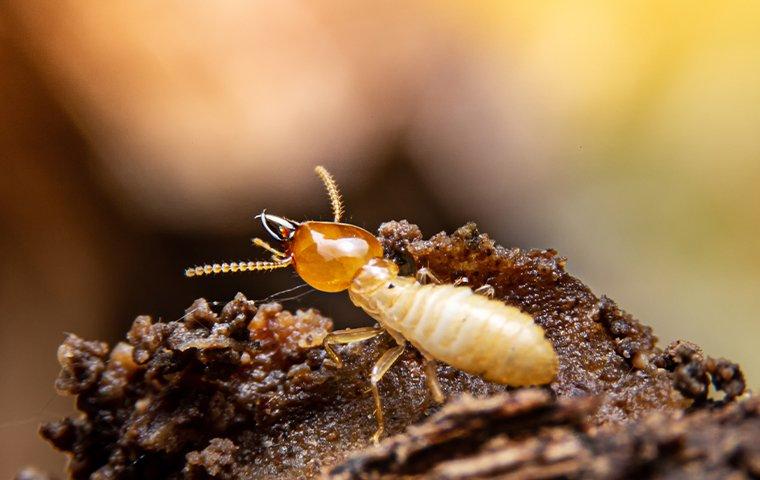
(248, 392)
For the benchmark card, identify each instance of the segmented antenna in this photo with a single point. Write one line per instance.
(235, 267)
(332, 191)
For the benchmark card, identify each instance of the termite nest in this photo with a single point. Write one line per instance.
(248, 392)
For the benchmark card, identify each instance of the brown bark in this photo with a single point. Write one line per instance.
(527, 434)
(249, 393)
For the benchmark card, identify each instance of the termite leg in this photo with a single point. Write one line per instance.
(424, 276)
(349, 335)
(461, 281)
(486, 290)
(431, 378)
(381, 366)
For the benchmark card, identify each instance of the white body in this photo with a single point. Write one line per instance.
(452, 324)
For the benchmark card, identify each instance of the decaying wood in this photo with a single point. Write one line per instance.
(248, 392)
(527, 434)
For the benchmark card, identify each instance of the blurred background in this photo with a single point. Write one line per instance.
(138, 138)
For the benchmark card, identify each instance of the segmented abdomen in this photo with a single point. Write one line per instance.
(468, 331)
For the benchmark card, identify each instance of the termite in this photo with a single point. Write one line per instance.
(446, 322)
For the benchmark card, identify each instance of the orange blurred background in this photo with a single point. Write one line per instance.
(138, 138)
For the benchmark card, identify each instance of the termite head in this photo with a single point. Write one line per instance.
(327, 255)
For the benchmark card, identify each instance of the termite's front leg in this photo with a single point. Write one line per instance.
(381, 366)
(349, 335)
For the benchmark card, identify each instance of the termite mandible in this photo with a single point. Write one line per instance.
(446, 322)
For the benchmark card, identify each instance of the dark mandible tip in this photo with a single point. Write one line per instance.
(279, 228)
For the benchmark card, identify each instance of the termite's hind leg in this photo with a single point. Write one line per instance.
(425, 276)
(485, 290)
(381, 366)
(431, 378)
(349, 335)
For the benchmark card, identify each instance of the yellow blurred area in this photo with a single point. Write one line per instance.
(141, 137)
(662, 101)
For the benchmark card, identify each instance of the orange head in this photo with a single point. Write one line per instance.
(327, 255)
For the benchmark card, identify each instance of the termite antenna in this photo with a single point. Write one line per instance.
(332, 191)
(216, 268)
